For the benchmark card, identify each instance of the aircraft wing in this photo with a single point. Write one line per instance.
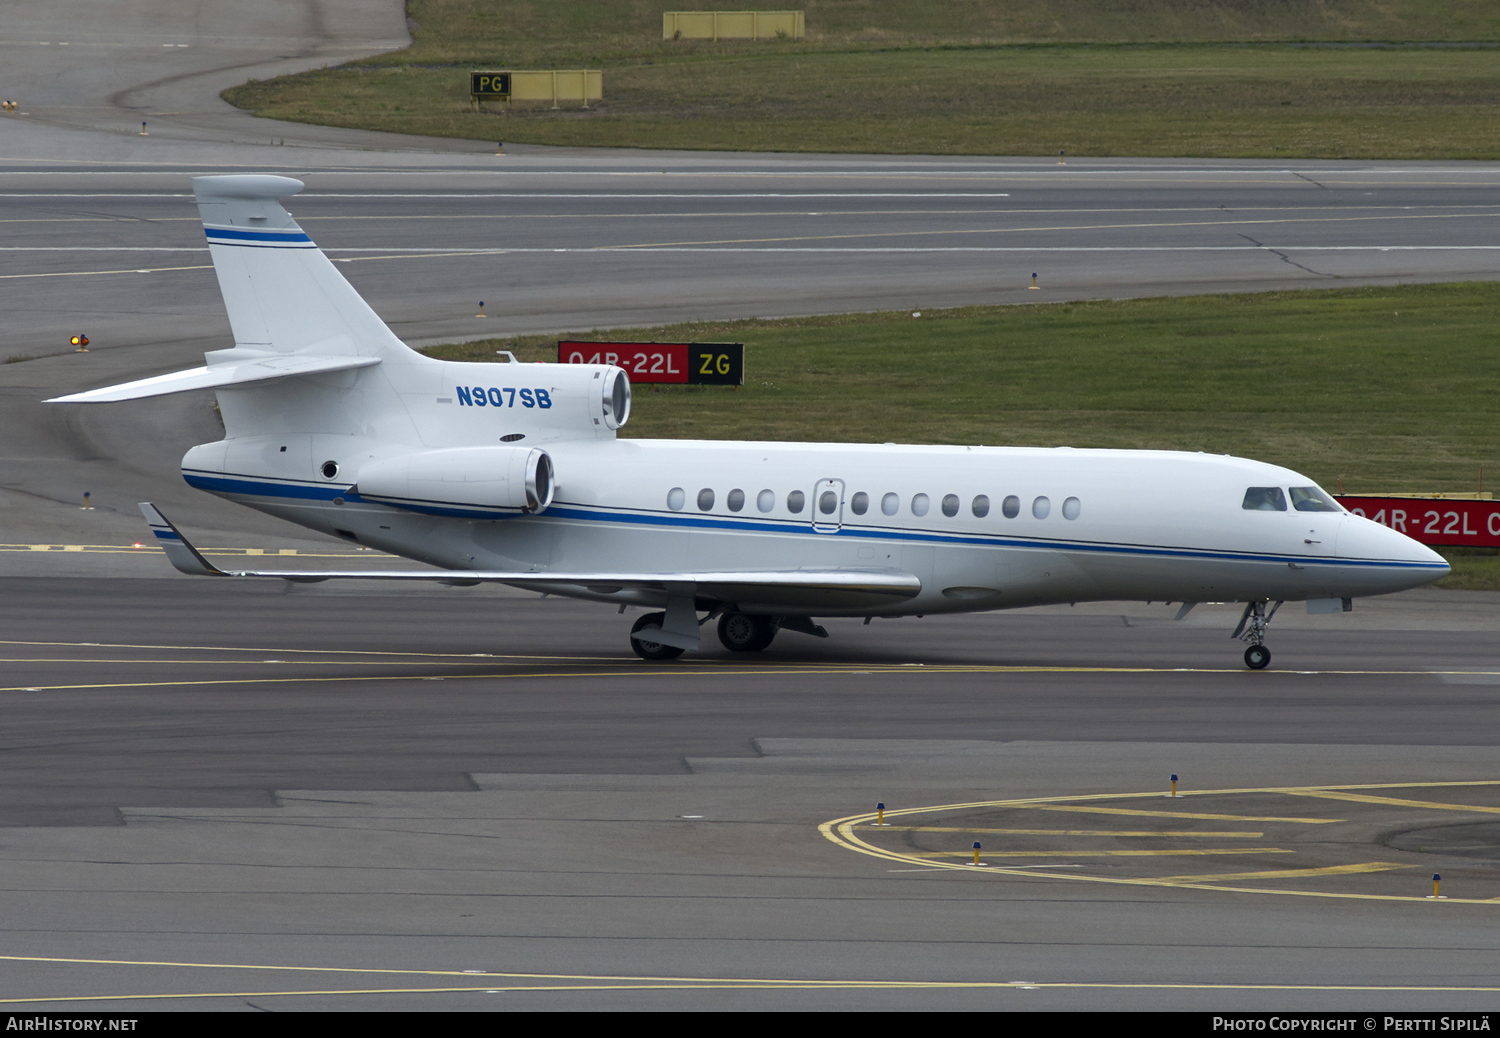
(800, 590)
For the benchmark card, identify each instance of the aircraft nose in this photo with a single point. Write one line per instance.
(1368, 541)
(1426, 555)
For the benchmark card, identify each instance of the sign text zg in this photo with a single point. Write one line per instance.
(690, 363)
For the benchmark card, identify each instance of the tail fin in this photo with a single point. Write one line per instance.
(281, 292)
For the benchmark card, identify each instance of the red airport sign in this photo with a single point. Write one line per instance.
(689, 363)
(1433, 521)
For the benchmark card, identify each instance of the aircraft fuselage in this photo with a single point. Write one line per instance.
(980, 527)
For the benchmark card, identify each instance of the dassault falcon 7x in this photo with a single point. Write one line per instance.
(513, 473)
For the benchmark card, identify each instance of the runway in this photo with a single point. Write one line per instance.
(229, 795)
(565, 245)
(452, 781)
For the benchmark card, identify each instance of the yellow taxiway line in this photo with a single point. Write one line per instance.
(1165, 853)
(1228, 834)
(842, 832)
(487, 982)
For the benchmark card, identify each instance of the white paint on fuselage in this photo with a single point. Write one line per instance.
(1150, 525)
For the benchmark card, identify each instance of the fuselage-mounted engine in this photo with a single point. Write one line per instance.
(465, 482)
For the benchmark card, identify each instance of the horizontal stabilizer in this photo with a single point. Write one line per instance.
(231, 368)
(799, 589)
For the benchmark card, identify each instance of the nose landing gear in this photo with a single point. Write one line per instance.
(1252, 628)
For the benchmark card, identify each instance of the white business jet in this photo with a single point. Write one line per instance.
(513, 473)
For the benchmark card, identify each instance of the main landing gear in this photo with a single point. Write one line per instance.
(739, 632)
(1252, 628)
(649, 650)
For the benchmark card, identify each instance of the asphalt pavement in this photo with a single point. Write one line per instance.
(233, 795)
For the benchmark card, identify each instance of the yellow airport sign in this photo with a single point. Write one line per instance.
(732, 25)
(553, 85)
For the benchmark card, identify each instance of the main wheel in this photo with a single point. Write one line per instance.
(741, 632)
(644, 647)
(1257, 657)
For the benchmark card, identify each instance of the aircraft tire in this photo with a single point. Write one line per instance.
(742, 632)
(1257, 657)
(649, 650)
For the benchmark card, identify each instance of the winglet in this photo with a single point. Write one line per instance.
(179, 552)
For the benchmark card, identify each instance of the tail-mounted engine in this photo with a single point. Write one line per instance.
(465, 482)
(509, 402)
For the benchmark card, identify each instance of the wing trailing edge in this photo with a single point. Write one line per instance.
(799, 589)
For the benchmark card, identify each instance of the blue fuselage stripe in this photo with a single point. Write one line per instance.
(228, 237)
(254, 487)
(260, 488)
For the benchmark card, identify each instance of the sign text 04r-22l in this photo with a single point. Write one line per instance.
(691, 363)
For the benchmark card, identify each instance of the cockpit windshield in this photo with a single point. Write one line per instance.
(1264, 499)
(1313, 499)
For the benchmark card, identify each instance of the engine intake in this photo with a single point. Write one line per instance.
(614, 396)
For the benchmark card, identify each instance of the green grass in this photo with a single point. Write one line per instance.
(1371, 389)
(1474, 569)
(1092, 77)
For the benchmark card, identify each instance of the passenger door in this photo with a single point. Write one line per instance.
(828, 505)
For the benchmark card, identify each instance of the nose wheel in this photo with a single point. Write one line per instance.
(1252, 628)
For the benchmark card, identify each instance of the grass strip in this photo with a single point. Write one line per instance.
(929, 78)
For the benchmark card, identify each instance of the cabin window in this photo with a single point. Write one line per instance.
(794, 502)
(980, 507)
(676, 498)
(1264, 499)
(919, 505)
(736, 500)
(859, 504)
(765, 500)
(1011, 506)
(1071, 508)
(828, 502)
(950, 505)
(1041, 507)
(890, 504)
(1313, 499)
(705, 499)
